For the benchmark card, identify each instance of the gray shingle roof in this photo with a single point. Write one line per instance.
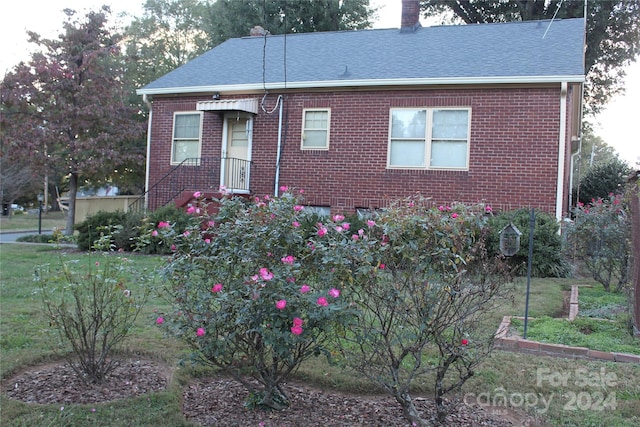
(531, 51)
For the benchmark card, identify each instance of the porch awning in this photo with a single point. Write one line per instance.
(249, 105)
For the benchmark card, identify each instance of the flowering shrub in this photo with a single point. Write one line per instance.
(422, 283)
(92, 309)
(257, 289)
(600, 237)
(250, 293)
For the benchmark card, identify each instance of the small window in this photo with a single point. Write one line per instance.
(315, 129)
(187, 137)
(423, 138)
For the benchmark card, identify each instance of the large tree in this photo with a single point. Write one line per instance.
(67, 106)
(167, 35)
(234, 18)
(613, 33)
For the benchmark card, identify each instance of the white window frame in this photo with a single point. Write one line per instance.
(428, 140)
(174, 161)
(304, 129)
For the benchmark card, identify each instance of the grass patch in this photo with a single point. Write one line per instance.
(25, 341)
(596, 334)
(594, 301)
(27, 221)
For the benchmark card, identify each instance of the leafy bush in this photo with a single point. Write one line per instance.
(548, 259)
(250, 295)
(423, 283)
(260, 287)
(602, 180)
(91, 309)
(36, 238)
(600, 237)
(97, 225)
(153, 244)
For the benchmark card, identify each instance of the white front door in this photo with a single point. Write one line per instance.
(236, 152)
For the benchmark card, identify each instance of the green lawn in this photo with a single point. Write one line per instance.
(24, 341)
(28, 222)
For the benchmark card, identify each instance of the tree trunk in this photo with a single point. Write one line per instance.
(71, 215)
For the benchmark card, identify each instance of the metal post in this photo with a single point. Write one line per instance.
(532, 224)
(40, 198)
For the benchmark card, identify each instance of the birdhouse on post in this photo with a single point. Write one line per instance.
(510, 240)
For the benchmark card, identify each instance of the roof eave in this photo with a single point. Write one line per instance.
(364, 83)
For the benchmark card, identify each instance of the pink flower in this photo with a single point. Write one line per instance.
(298, 208)
(154, 233)
(339, 229)
(288, 259)
(454, 215)
(464, 341)
(265, 274)
(488, 209)
(440, 208)
(223, 190)
(338, 218)
(173, 248)
(334, 292)
(322, 231)
(191, 210)
(200, 332)
(284, 188)
(322, 301)
(304, 289)
(163, 224)
(296, 330)
(355, 237)
(382, 266)
(160, 320)
(297, 321)
(211, 223)
(97, 263)
(280, 305)
(197, 194)
(296, 224)
(217, 287)
(186, 233)
(346, 225)
(371, 223)
(207, 240)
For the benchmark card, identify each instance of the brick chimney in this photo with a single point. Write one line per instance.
(410, 16)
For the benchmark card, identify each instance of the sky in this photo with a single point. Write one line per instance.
(618, 124)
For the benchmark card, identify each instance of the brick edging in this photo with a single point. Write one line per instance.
(520, 345)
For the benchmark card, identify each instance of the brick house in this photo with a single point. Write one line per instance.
(471, 113)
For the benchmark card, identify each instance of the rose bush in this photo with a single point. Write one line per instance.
(260, 286)
(250, 293)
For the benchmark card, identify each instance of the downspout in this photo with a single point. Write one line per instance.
(277, 180)
(147, 167)
(561, 151)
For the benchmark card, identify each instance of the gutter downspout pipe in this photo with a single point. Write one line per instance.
(277, 180)
(561, 151)
(147, 167)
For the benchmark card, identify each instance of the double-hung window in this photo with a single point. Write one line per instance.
(187, 137)
(429, 138)
(315, 129)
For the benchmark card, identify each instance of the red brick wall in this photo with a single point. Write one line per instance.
(513, 147)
